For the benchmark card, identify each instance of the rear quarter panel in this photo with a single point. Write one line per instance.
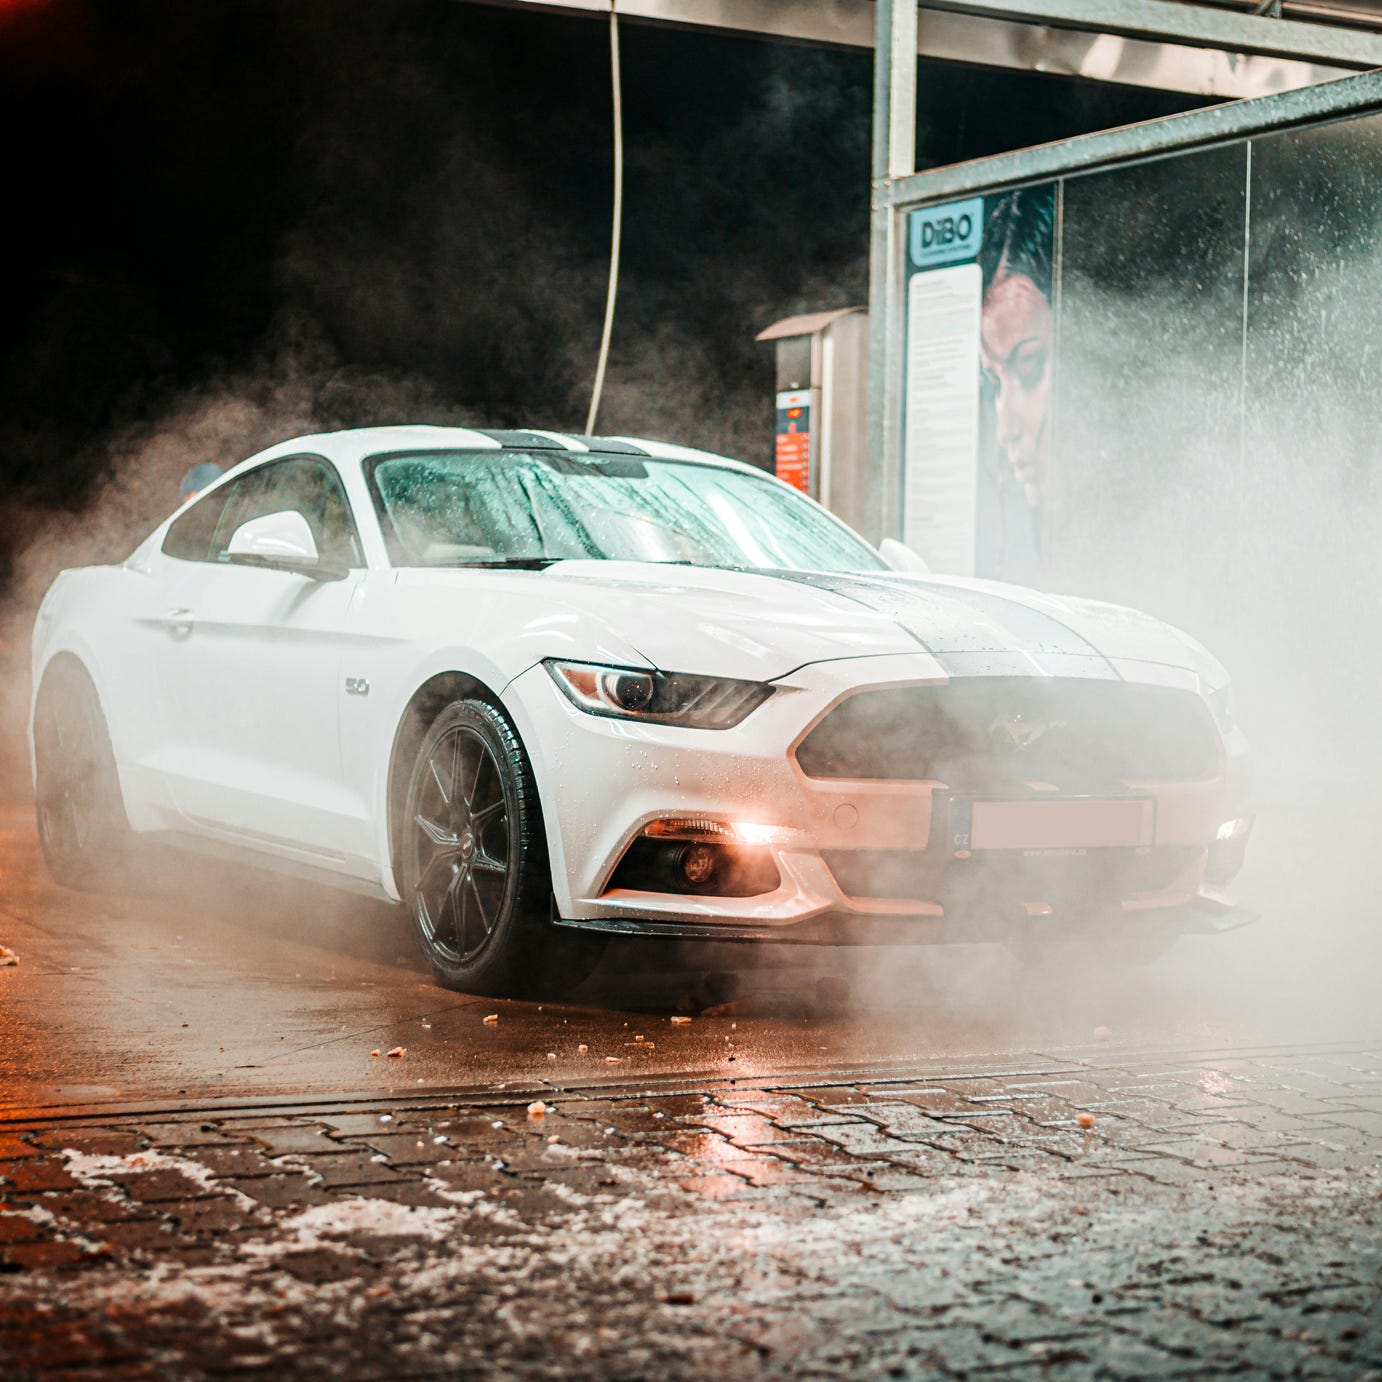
(105, 617)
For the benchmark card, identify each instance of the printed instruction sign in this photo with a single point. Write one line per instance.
(792, 448)
(942, 445)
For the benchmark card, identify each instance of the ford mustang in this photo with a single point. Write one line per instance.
(540, 689)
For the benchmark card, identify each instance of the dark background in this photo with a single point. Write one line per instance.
(233, 220)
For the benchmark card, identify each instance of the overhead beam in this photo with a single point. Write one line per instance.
(1199, 26)
(1355, 95)
(1161, 44)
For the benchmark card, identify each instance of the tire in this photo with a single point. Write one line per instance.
(476, 878)
(82, 825)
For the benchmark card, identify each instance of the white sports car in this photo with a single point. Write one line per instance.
(539, 688)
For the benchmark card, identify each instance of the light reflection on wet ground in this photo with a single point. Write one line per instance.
(208, 984)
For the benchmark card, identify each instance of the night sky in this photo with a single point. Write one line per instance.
(353, 213)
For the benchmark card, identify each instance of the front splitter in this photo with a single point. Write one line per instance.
(1198, 916)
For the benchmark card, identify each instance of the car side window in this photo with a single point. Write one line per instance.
(189, 536)
(302, 484)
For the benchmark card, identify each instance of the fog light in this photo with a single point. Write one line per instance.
(1228, 851)
(697, 864)
(704, 867)
(688, 828)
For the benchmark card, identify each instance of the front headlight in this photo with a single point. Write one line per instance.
(667, 698)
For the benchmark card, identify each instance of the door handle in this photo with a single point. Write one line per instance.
(178, 622)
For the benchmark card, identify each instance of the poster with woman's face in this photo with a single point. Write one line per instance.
(1016, 346)
(980, 346)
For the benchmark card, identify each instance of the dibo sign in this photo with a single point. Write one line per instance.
(945, 234)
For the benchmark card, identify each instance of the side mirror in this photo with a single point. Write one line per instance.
(901, 558)
(283, 542)
(284, 536)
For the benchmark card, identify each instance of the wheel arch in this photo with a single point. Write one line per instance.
(423, 707)
(64, 662)
(60, 664)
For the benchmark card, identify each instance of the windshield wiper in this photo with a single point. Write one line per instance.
(540, 563)
(510, 563)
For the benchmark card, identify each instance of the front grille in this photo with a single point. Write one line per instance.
(985, 734)
(1008, 878)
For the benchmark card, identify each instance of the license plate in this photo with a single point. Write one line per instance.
(1069, 823)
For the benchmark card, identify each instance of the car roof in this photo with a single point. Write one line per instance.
(358, 443)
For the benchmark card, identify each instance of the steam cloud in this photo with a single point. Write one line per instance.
(404, 253)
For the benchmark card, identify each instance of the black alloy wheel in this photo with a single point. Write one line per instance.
(82, 825)
(475, 871)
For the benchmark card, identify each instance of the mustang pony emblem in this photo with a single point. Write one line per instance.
(1014, 733)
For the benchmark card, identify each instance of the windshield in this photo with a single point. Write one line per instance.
(456, 508)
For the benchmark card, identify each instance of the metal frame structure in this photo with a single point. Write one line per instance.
(1280, 71)
(1203, 49)
(898, 189)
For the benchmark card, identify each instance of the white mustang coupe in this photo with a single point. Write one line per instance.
(539, 688)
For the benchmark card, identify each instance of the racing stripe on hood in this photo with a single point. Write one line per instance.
(971, 632)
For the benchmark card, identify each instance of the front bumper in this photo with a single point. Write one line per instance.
(1202, 915)
(602, 781)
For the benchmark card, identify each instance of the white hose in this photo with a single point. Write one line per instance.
(615, 84)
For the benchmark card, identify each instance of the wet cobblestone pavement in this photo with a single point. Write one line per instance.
(1100, 1214)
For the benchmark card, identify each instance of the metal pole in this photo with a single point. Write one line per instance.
(894, 156)
(616, 82)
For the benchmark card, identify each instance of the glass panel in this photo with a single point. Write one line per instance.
(304, 485)
(1148, 380)
(1309, 564)
(446, 508)
(189, 537)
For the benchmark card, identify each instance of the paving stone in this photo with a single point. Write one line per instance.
(225, 1159)
(1356, 1099)
(692, 1105)
(353, 1168)
(745, 1129)
(16, 1228)
(216, 1215)
(718, 1185)
(865, 1140)
(706, 1143)
(144, 1236)
(287, 1191)
(402, 1148)
(826, 1157)
(341, 1125)
(785, 1110)
(766, 1170)
(92, 1141)
(310, 1140)
(42, 1255)
(946, 1222)
(408, 1192)
(1365, 1121)
(189, 1132)
(88, 1206)
(833, 1096)
(34, 1176)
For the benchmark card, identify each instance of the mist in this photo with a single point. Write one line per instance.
(401, 228)
(1215, 411)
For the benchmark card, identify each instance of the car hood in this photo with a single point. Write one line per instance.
(765, 624)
